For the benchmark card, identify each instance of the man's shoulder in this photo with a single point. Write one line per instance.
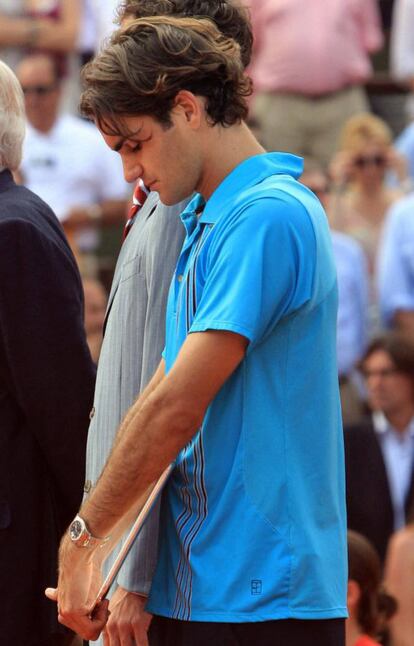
(23, 211)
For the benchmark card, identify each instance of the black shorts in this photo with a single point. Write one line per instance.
(284, 632)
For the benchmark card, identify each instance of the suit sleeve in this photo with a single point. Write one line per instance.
(47, 364)
(161, 258)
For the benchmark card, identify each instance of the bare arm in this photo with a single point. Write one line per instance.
(164, 423)
(155, 429)
(57, 35)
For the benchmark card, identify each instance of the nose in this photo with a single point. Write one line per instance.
(132, 170)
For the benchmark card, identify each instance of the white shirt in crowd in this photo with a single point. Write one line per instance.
(398, 453)
(71, 166)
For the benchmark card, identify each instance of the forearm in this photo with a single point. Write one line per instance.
(149, 439)
(19, 32)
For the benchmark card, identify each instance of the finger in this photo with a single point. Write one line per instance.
(82, 627)
(101, 611)
(106, 637)
(51, 593)
(141, 638)
(112, 637)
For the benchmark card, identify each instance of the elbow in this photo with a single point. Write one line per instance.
(182, 417)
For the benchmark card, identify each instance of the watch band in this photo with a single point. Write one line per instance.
(81, 536)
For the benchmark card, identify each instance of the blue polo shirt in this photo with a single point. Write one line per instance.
(253, 518)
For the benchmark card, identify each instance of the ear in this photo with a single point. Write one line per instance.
(189, 107)
(353, 596)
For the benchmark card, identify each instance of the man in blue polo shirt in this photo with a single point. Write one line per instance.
(245, 401)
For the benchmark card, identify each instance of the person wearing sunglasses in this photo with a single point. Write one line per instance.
(66, 163)
(361, 195)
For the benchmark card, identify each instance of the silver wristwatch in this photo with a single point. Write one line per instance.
(81, 536)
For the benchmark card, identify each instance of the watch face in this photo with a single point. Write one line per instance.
(76, 529)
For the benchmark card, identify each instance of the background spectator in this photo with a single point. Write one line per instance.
(396, 267)
(352, 326)
(361, 196)
(310, 61)
(46, 385)
(380, 452)
(67, 163)
(46, 25)
(369, 606)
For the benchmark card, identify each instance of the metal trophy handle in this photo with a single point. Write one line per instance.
(135, 529)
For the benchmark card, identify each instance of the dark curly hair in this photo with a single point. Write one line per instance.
(148, 63)
(230, 17)
(376, 606)
(400, 349)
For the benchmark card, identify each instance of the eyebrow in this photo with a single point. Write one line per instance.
(122, 140)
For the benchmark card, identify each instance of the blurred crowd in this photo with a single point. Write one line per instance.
(313, 74)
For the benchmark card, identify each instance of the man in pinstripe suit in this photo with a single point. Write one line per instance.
(135, 330)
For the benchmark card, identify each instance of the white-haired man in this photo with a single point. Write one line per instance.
(45, 368)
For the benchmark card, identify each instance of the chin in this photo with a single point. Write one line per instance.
(171, 200)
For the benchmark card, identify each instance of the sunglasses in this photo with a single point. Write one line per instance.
(375, 160)
(385, 372)
(39, 90)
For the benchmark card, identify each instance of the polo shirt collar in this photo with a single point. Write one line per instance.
(250, 172)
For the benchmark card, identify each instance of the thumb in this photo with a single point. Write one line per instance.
(51, 593)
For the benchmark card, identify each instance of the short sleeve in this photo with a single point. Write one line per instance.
(260, 268)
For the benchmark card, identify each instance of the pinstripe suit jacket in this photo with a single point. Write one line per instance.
(133, 341)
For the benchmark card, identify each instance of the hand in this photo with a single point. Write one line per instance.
(128, 622)
(78, 586)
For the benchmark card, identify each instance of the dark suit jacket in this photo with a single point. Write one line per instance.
(46, 390)
(368, 494)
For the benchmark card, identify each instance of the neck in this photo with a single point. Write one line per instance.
(401, 418)
(369, 190)
(226, 148)
(45, 125)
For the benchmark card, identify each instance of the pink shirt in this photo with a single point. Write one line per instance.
(313, 46)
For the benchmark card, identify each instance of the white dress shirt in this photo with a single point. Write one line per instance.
(71, 166)
(398, 453)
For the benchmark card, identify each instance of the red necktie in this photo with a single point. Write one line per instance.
(140, 195)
